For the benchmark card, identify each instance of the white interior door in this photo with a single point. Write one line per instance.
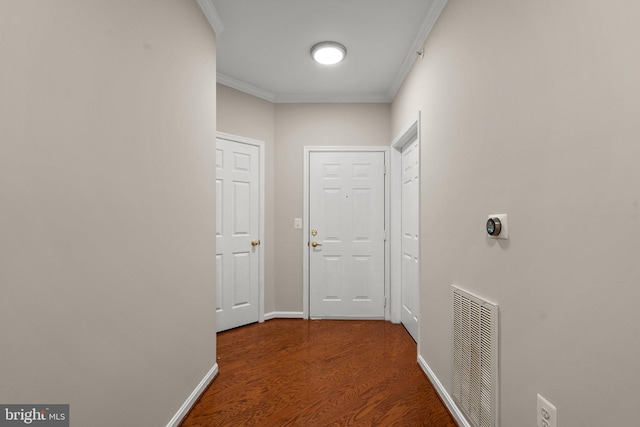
(237, 234)
(410, 238)
(346, 211)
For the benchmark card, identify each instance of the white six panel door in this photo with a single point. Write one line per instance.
(237, 225)
(410, 235)
(346, 208)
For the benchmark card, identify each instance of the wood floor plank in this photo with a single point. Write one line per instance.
(293, 372)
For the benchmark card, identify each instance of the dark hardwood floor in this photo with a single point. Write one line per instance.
(293, 372)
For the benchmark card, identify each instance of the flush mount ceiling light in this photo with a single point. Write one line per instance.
(328, 53)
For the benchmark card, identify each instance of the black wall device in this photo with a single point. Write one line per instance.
(494, 226)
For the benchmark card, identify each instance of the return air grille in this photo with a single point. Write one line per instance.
(475, 358)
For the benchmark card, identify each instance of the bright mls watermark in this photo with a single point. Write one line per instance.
(34, 415)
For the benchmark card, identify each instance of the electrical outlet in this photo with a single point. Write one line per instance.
(547, 413)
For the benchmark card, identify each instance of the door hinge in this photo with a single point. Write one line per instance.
(385, 302)
(385, 169)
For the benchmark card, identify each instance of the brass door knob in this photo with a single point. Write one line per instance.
(315, 244)
(255, 242)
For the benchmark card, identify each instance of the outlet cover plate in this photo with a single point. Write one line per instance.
(547, 413)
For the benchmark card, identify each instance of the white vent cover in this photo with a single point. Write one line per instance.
(475, 358)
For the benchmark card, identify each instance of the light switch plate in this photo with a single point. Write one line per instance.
(297, 223)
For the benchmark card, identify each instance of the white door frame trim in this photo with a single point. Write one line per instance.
(305, 221)
(263, 244)
(407, 135)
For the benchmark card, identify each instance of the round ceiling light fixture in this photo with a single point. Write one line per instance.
(328, 53)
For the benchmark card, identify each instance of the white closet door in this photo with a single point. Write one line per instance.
(410, 238)
(237, 234)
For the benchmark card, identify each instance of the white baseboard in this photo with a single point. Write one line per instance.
(195, 394)
(446, 398)
(284, 315)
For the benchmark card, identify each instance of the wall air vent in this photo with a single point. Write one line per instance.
(475, 358)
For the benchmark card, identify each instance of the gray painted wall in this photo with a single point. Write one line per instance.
(286, 129)
(107, 215)
(531, 109)
(245, 115)
(297, 126)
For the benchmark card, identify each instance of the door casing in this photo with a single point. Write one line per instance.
(264, 245)
(305, 222)
(407, 135)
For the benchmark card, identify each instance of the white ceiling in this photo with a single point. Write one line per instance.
(263, 46)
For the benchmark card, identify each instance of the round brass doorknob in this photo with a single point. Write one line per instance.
(255, 242)
(314, 244)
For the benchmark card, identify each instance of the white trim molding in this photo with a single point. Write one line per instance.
(212, 15)
(284, 315)
(215, 21)
(409, 133)
(193, 397)
(446, 398)
(418, 43)
(346, 98)
(292, 98)
(247, 88)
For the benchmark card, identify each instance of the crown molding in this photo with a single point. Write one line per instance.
(212, 15)
(418, 43)
(380, 98)
(427, 25)
(293, 98)
(233, 83)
